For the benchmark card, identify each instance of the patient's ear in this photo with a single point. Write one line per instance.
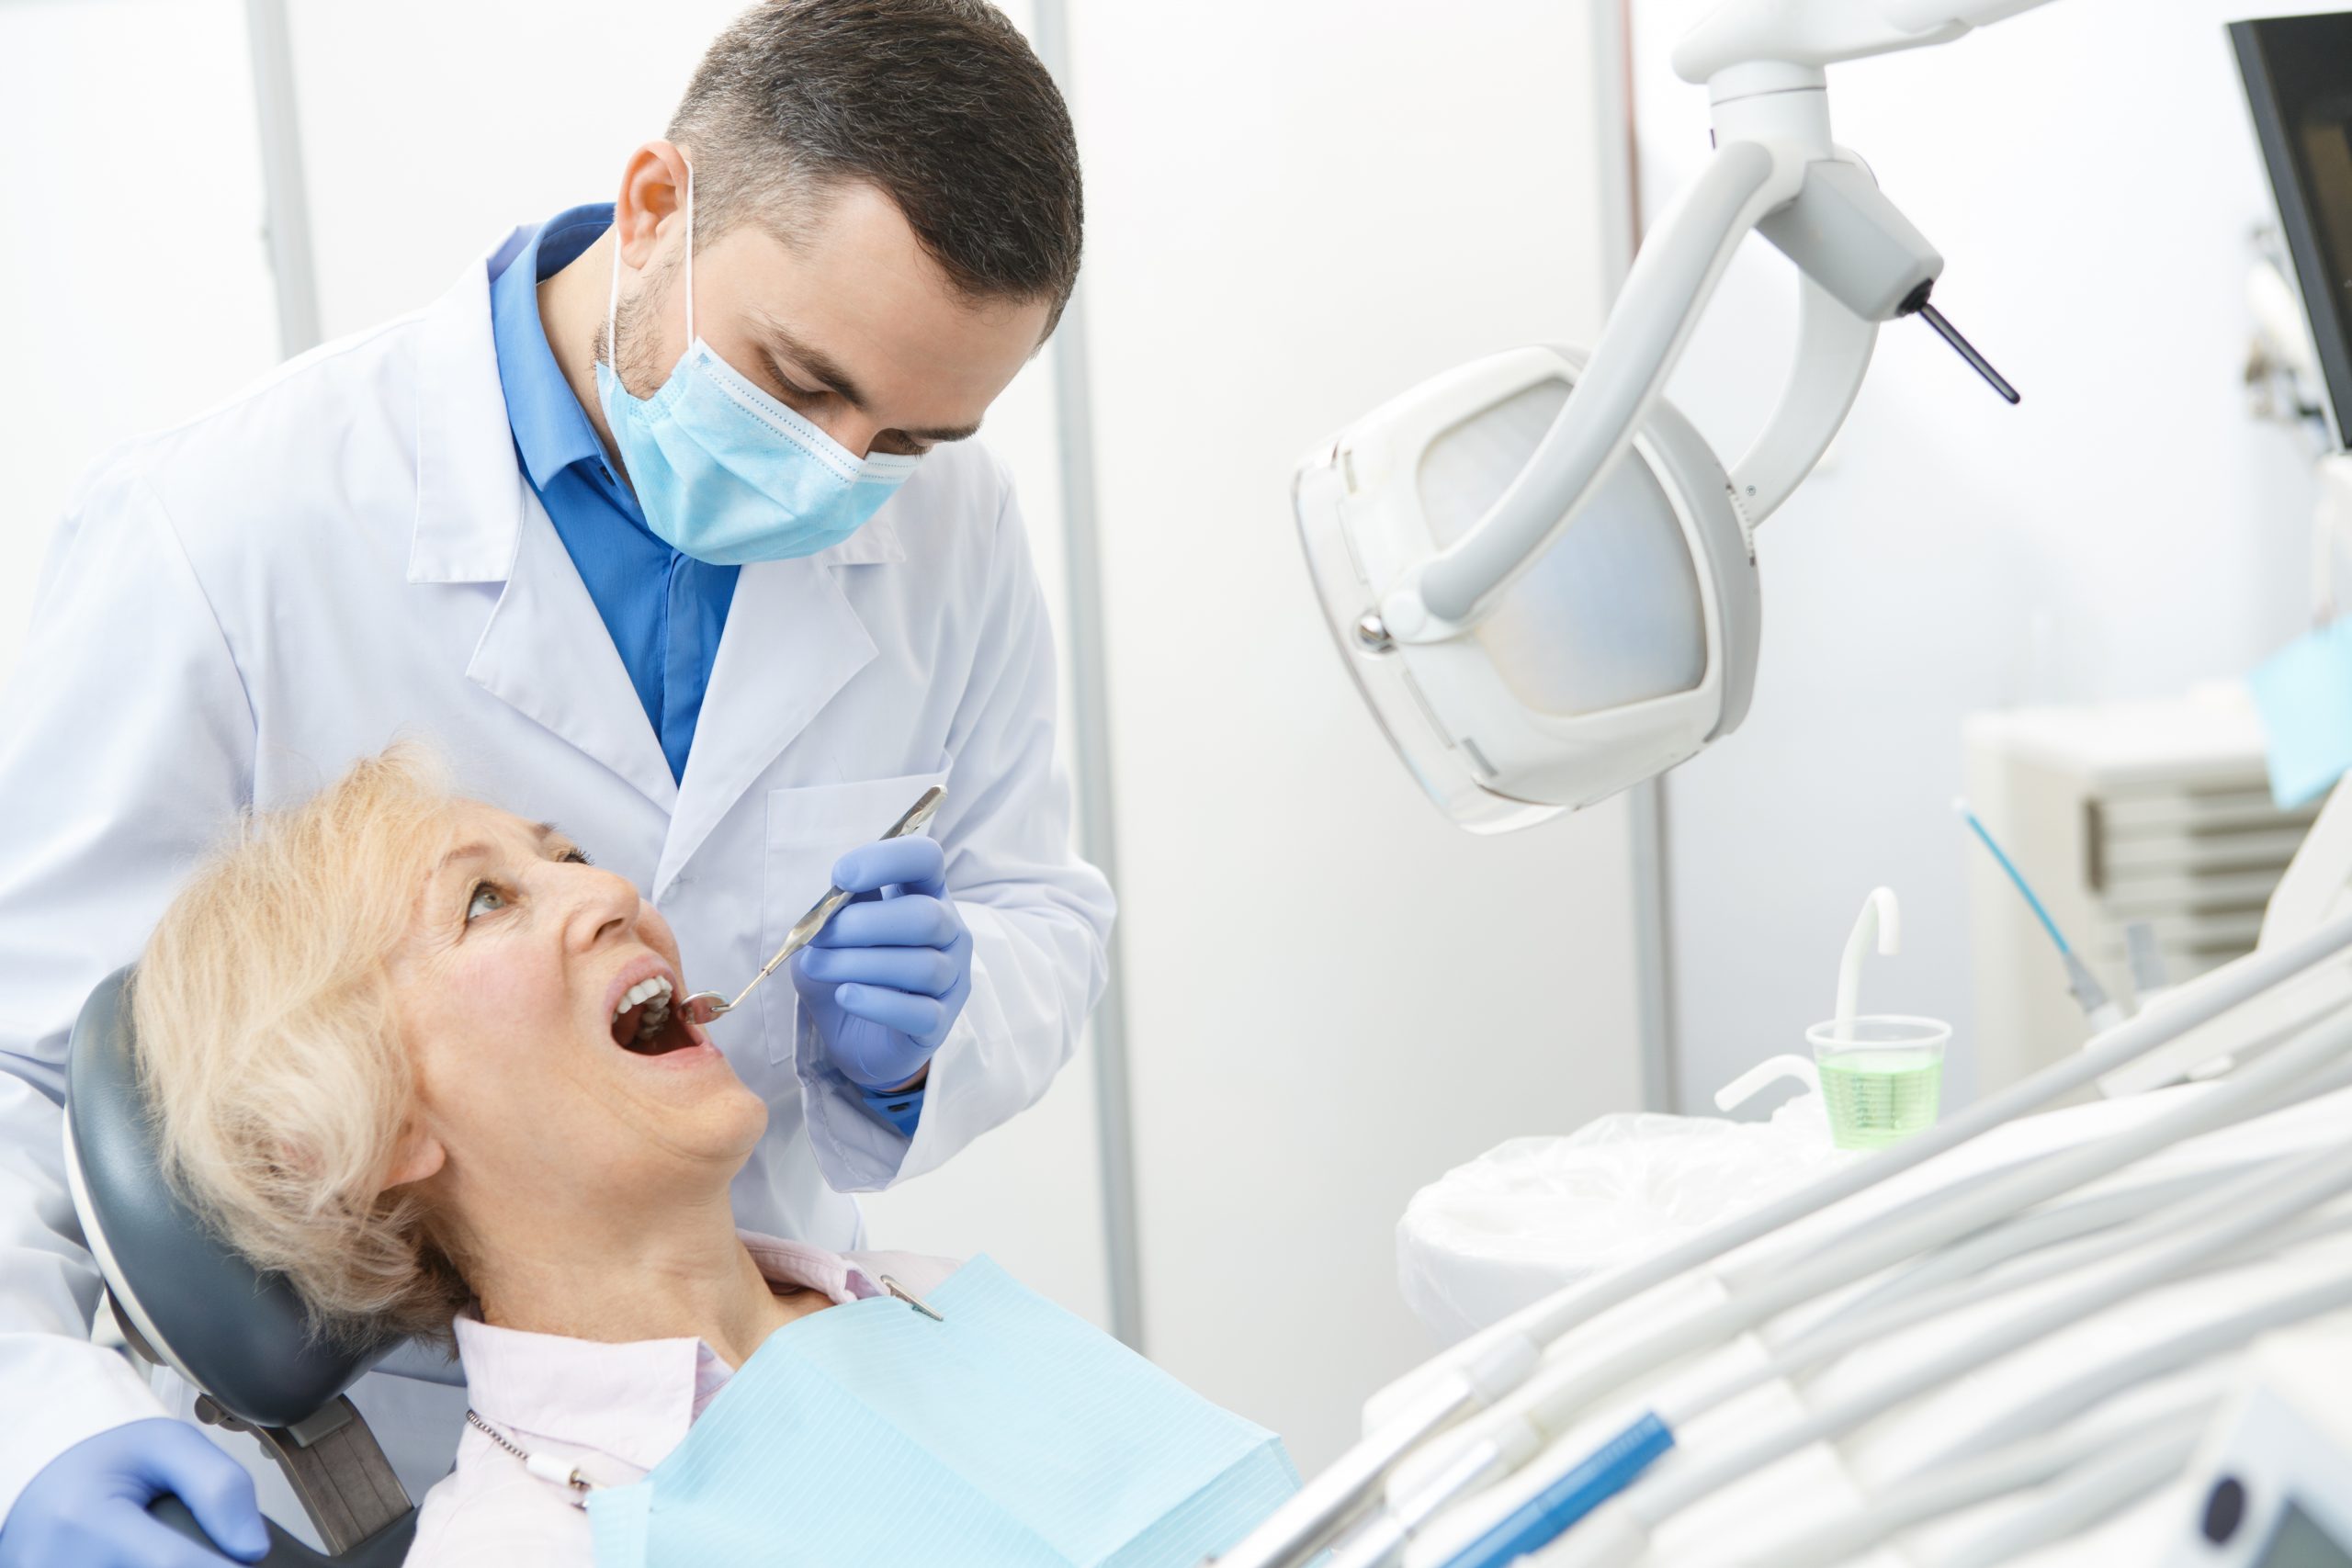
(417, 1156)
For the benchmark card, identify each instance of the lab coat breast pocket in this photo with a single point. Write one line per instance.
(809, 830)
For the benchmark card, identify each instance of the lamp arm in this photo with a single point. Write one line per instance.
(1669, 284)
(1833, 355)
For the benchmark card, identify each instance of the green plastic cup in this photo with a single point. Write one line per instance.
(1881, 1081)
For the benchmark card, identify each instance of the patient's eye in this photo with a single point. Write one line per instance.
(575, 856)
(486, 899)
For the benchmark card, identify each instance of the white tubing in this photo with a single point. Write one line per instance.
(2093, 1493)
(2256, 1203)
(1830, 1340)
(1553, 1400)
(1558, 1395)
(1971, 1258)
(1443, 1393)
(2106, 1380)
(1616, 1534)
(1880, 925)
(1932, 1493)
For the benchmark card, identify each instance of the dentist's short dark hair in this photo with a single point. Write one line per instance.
(939, 104)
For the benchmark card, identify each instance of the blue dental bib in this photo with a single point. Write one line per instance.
(1011, 1433)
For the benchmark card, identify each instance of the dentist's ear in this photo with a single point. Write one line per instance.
(418, 1156)
(652, 196)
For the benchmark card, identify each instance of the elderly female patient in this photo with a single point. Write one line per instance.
(418, 1055)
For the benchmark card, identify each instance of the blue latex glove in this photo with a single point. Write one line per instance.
(884, 980)
(88, 1505)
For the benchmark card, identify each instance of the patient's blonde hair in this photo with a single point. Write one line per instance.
(270, 1049)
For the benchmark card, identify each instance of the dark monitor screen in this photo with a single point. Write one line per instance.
(2298, 72)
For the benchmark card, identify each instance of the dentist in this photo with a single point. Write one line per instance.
(665, 525)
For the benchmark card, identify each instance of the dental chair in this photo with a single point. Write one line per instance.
(185, 1300)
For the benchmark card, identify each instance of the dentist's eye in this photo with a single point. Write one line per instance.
(790, 387)
(486, 899)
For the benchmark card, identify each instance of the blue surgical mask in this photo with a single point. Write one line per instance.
(724, 472)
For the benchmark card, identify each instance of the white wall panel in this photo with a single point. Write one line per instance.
(1297, 210)
(136, 289)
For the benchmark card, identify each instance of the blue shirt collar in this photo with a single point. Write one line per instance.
(551, 430)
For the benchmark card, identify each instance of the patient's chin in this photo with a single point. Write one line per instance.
(702, 1107)
(706, 1153)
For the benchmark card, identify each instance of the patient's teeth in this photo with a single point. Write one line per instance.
(643, 992)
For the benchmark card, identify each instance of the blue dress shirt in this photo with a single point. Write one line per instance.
(664, 610)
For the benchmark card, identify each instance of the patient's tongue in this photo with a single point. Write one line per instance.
(625, 1025)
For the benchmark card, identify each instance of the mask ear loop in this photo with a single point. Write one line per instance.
(613, 292)
(613, 309)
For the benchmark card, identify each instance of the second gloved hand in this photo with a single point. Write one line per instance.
(88, 1507)
(885, 978)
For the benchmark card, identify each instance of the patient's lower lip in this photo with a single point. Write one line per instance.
(684, 1057)
(697, 1048)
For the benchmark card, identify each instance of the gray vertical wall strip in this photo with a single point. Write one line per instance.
(288, 219)
(1097, 819)
(1653, 949)
(1620, 236)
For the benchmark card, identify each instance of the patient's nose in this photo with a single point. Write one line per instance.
(603, 906)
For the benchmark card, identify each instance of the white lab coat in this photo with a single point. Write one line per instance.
(348, 554)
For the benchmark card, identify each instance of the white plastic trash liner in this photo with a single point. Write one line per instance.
(1534, 1214)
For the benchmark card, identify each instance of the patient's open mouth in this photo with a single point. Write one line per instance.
(645, 1022)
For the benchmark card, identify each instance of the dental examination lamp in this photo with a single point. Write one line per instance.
(1522, 666)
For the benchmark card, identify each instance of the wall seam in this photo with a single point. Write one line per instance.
(1097, 814)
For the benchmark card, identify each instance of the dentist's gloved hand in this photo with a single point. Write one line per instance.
(884, 980)
(88, 1505)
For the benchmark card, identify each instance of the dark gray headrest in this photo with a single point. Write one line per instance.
(238, 1335)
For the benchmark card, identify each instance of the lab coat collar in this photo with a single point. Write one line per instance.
(792, 642)
(877, 544)
(546, 654)
(471, 496)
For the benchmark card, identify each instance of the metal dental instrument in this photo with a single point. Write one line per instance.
(705, 1005)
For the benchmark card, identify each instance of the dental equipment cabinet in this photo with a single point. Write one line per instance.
(2148, 814)
(1543, 582)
